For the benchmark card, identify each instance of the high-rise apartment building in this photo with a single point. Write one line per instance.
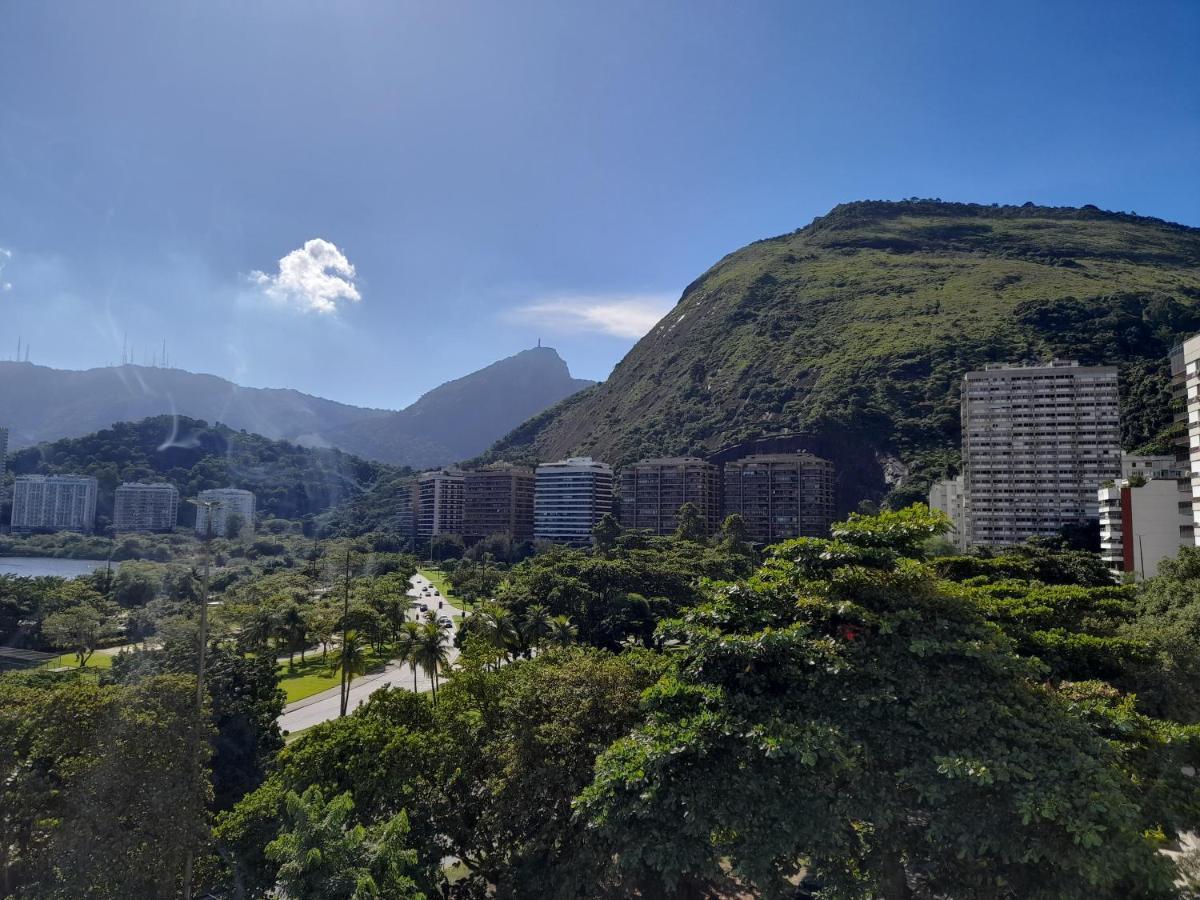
(1185, 376)
(949, 496)
(145, 507)
(781, 495)
(653, 490)
(1038, 441)
(3, 451)
(439, 503)
(1140, 516)
(570, 497)
(226, 503)
(59, 502)
(498, 500)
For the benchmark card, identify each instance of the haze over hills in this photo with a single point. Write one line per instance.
(461, 418)
(855, 331)
(451, 422)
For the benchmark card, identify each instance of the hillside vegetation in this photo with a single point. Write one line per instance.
(288, 481)
(855, 331)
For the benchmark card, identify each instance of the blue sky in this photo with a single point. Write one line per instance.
(363, 199)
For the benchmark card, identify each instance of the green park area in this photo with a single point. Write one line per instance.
(314, 674)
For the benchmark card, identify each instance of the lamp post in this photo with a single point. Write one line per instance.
(206, 543)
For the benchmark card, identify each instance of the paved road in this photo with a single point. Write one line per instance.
(326, 705)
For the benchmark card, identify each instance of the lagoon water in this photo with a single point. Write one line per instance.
(32, 566)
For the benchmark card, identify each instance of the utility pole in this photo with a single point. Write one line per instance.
(206, 544)
(345, 695)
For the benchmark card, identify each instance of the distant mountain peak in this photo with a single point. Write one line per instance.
(453, 421)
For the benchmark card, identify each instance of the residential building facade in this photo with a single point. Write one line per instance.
(949, 496)
(145, 507)
(653, 490)
(1185, 377)
(226, 503)
(3, 451)
(1140, 522)
(570, 497)
(781, 495)
(58, 502)
(1038, 441)
(439, 503)
(498, 500)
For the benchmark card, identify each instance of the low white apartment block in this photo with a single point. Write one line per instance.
(570, 497)
(1140, 524)
(56, 502)
(1038, 441)
(218, 505)
(145, 507)
(949, 496)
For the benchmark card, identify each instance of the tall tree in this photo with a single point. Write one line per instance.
(843, 708)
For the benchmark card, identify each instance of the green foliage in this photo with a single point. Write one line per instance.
(617, 596)
(97, 799)
(846, 708)
(856, 331)
(288, 481)
(322, 856)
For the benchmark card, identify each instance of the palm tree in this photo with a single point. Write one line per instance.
(293, 629)
(258, 628)
(433, 652)
(408, 646)
(535, 627)
(353, 660)
(498, 626)
(562, 632)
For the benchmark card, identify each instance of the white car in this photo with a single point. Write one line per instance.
(445, 622)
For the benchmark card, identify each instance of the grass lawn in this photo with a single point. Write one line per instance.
(95, 661)
(313, 675)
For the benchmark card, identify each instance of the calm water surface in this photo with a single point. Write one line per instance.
(32, 566)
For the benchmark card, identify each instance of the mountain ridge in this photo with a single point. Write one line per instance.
(855, 330)
(40, 403)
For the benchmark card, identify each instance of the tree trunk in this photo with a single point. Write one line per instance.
(893, 882)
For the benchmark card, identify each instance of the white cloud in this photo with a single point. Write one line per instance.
(5, 256)
(621, 315)
(314, 278)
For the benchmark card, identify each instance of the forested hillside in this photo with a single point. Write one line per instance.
(855, 332)
(289, 481)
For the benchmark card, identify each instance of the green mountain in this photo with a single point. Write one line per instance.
(854, 332)
(289, 481)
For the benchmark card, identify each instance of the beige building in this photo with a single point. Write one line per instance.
(781, 495)
(145, 507)
(653, 490)
(1038, 441)
(439, 503)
